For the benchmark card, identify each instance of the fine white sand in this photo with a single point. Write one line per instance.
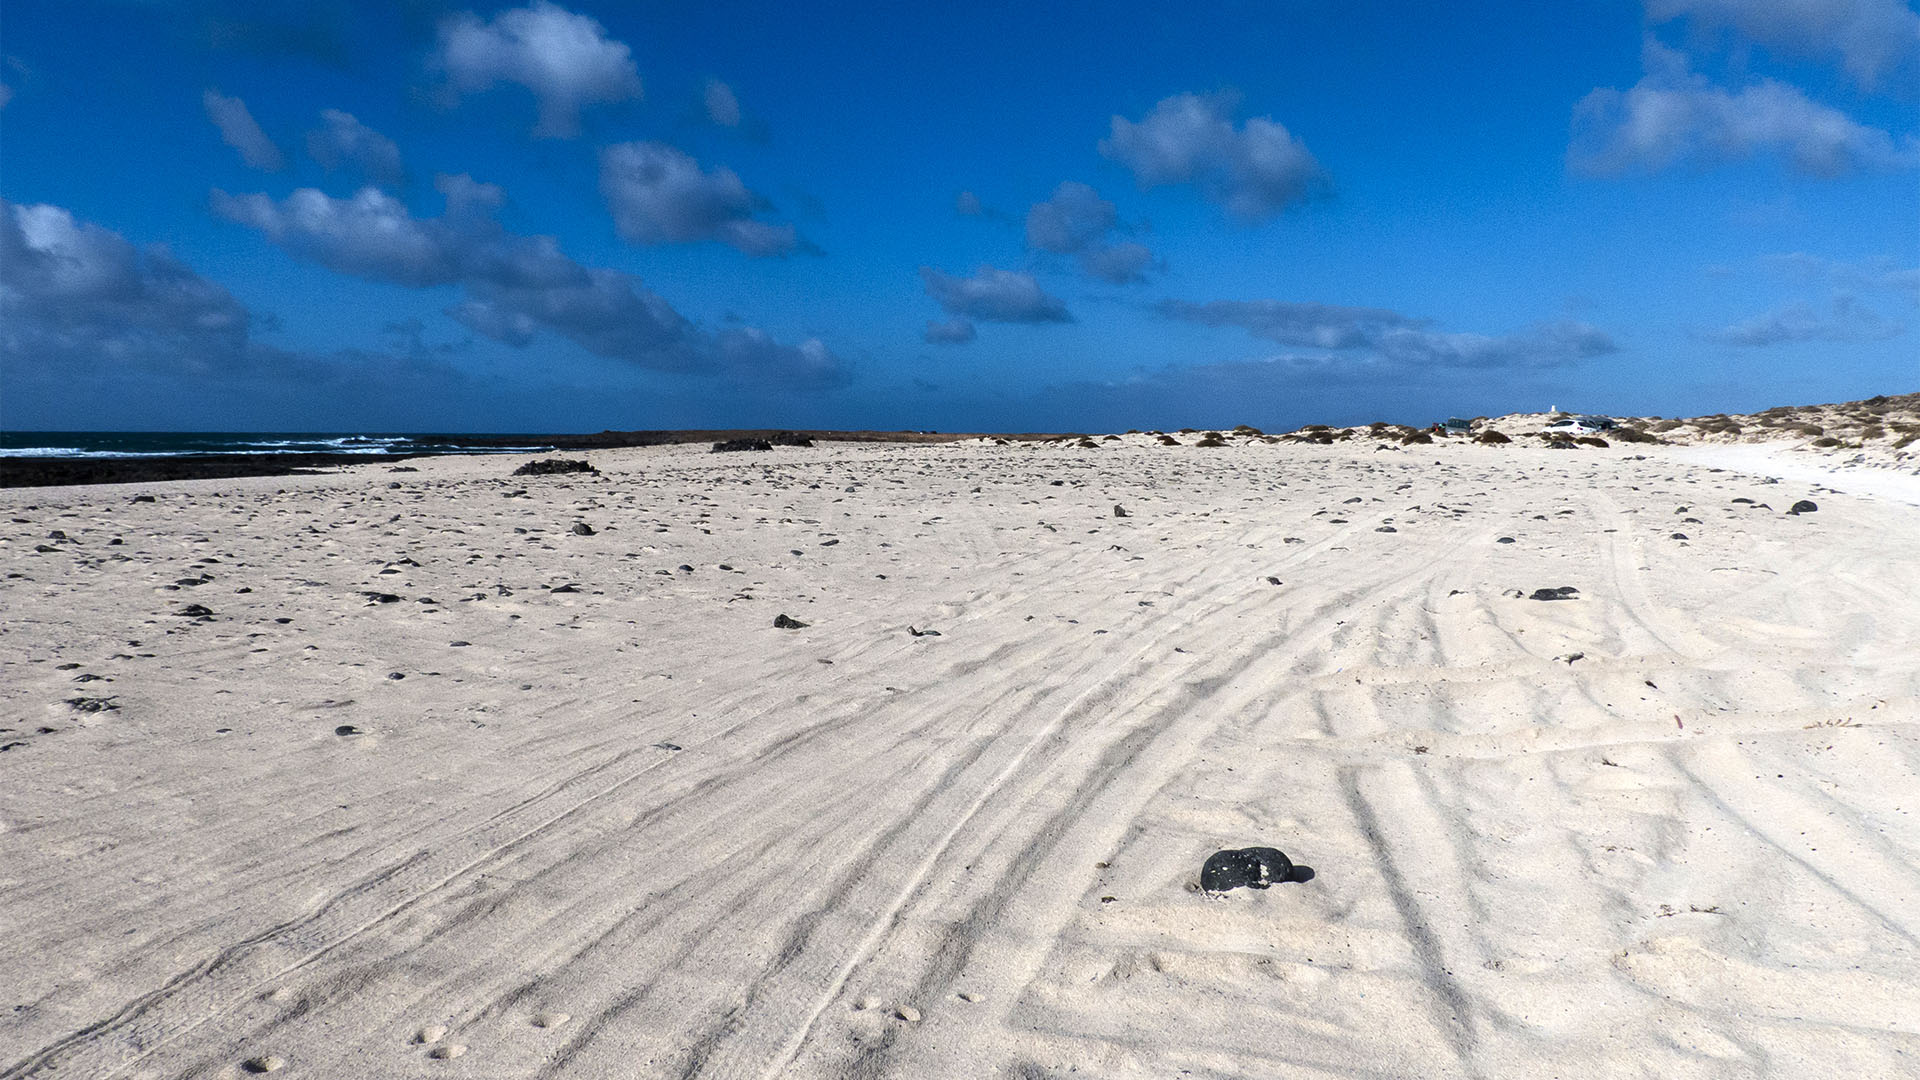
(1669, 827)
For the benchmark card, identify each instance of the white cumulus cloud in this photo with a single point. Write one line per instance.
(1254, 170)
(566, 59)
(1673, 116)
(660, 195)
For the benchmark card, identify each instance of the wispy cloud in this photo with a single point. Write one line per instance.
(723, 106)
(1844, 320)
(1380, 336)
(341, 141)
(994, 295)
(1872, 39)
(955, 331)
(238, 130)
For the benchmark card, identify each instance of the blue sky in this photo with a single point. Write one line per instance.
(423, 216)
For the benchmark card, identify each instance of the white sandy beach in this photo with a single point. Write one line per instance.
(1669, 827)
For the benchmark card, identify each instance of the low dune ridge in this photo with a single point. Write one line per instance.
(906, 760)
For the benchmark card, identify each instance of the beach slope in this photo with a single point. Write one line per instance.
(1603, 764)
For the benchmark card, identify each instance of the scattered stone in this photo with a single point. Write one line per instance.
(396, 675)
(92, 704)
(347, 729)
(783, 622)
(432, 1033)
(1254, 867)
(1119, 511)
(666, 746)
(458, 644)
(1504, 540)
(1386, 528)
(1273, 581)
(923, 633)
(1804, 506)
(447, 1051)
(581, 528)
(1564, 592)
(553, 466)
(142, 498)
(195, 611)
(968, 995)
(265, 1063)
(1677, 536)
(381, 597)
(908, 1013)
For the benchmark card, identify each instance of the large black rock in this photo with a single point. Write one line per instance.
(1254, 867)
(551, 466)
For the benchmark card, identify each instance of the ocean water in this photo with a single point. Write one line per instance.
(137, 444)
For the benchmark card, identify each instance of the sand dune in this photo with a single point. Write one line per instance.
(442, 787)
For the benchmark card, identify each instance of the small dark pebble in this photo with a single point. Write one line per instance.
(666, 746)
(195, 611)
(381, 597)
(143, 498)
(923, 633)
(1504, 540)
(1564, 592)
(783, 622)
(581, 528)
(1804, 506)
(1678, 536)
(347, 729)
(1119, 511)
(395, 675)
(458, 644)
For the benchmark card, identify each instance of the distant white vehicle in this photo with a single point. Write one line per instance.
(1580, 425)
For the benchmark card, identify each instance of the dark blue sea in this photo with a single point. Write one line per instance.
(139, 444)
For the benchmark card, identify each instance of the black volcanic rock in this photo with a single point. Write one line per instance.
(730, 446)
(1254, 867)
(554, 466)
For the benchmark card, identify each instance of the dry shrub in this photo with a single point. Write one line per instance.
(1491, 438)
(1668, 425)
